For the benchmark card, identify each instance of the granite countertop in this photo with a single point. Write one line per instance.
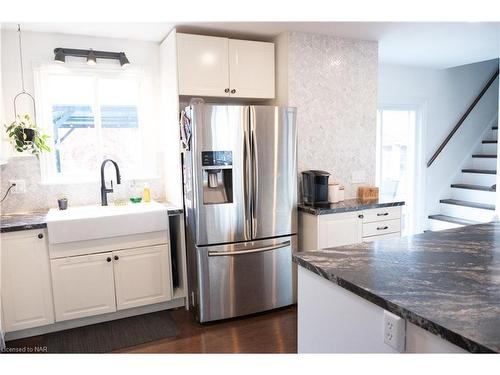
(35, 220)
(446, 282)
(346, 206)
(24, 221)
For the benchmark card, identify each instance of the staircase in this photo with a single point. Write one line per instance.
(472, 197)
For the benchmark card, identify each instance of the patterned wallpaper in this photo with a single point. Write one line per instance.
(333, 83)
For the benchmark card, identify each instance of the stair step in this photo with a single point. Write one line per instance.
(472, 187)
(454, 220)
(489, 156)
(457, 202)
(490, 141)
(482, 171)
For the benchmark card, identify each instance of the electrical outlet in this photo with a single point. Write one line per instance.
(20, 187)
(394, 331)
(358, 177)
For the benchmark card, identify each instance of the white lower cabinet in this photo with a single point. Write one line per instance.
(26, 288)
(142, 276)
(83, 286)
(339, 229)
(106, 282)
(345, 228)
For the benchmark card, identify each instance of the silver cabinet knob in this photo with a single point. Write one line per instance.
(226, 91)
(233, 91)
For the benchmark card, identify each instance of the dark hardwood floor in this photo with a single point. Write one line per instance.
(270, 332)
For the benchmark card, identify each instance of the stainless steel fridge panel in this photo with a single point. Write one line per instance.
(273, 141)
(245, 278)
(220, 128)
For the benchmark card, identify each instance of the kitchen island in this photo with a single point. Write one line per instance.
(445, 285)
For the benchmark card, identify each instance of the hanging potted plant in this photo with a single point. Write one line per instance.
(26, 136)
(23, 132)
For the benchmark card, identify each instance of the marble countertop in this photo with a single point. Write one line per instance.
(346, 206)
(446, 282)
(35, 220)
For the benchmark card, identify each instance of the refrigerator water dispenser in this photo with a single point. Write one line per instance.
(217, 177)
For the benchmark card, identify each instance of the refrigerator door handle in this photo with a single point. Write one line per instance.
(247, 205)
(255, 180)
(250, 251)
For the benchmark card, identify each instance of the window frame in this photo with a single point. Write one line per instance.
(48, 171)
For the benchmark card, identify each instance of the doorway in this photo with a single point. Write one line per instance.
(398, 173)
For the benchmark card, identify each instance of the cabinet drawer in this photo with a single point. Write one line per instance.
(381, 227)
(382, 237)
(384, 213)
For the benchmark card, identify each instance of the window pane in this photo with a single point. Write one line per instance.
(396, 167)
(395, 131)
(121, 137)
(75, 136)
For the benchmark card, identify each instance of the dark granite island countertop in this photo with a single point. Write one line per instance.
(346, 206)
(447, 282)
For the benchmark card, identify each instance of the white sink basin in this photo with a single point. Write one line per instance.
(94, 222)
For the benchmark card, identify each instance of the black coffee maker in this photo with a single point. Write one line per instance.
(315, 187)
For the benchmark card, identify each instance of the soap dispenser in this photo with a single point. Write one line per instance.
(146, 194)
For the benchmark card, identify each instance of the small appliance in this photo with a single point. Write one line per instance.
(315, 187)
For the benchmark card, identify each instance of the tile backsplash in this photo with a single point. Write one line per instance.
(333, 83)
(41, 197)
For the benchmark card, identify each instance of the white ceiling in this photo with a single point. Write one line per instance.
(434, 45)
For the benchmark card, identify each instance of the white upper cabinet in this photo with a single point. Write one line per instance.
(251, 69)
(202, 64)
(222, 67)
(26, 287)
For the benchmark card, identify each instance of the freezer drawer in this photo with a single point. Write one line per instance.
(244, 278)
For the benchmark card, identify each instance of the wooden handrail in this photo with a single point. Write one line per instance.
(462, 119)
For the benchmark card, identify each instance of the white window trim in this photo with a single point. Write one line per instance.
(44, 117)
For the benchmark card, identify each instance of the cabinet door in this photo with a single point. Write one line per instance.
(251, 69)
(26, 290)
(142, 276)
(339, 229)
(202, 64)
(83, 286)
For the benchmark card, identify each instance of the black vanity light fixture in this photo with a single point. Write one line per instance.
(91, 55)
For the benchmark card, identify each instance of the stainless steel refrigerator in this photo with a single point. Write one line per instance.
(240, 196)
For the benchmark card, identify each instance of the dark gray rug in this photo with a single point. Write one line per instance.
(109, 336)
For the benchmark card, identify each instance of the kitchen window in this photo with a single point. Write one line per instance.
(92, 115)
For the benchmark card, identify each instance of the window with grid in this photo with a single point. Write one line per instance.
(92, 117)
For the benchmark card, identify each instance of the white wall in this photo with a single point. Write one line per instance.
(1, 149)
(170, 110)
(333, 83)
(38, 48)
(444, 96)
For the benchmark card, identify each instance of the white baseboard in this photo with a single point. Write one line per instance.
(60, 326)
